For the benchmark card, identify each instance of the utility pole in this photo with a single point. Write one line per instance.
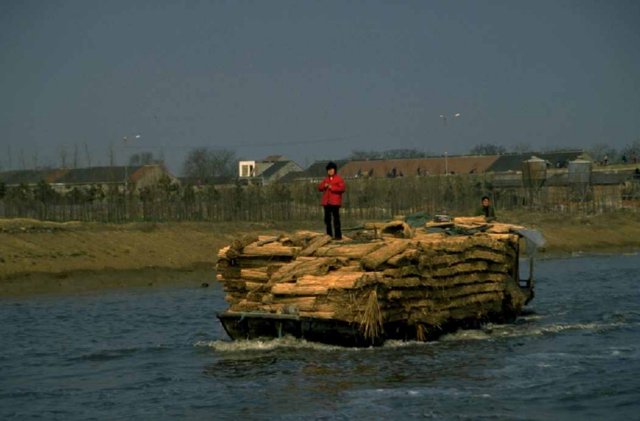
(446, 164)
(22, 160)
(75, 155)
(125, 141)
(63, 156)
(87, 155)
(112, 158)
(444, 122)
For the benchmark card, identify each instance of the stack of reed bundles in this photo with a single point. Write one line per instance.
(397, 275)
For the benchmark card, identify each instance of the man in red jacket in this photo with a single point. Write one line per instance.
(332, 188)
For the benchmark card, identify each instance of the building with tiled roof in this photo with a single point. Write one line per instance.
(138, 175)
(316, 172)
(268, 170)
(30, 177)
(513, 162)
(418, 166)
(65, 179)
(278, 170)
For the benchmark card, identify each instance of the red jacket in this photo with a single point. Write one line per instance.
(332, 188)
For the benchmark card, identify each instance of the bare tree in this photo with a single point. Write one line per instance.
(403, 154)
(487, 149)
(9, 157)
(196, 165)
(112, 155)
(224, 163)
(23, 162)
(87, 155)
(34, 159)
(62, 153)
(142, 158)
(205, 164)
(523, 147)
(362, 155)
(603, 153)
(631, 152)
(75, 155)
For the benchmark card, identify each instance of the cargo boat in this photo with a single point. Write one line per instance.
(387, 281)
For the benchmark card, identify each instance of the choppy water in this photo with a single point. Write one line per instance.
(161, 354)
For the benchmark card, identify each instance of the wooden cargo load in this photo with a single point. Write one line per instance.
(388, 282)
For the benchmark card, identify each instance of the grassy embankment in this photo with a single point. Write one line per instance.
(617, 232)
(37, 256)
(40, 256)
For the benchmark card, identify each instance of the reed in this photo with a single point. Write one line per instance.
(371, 321)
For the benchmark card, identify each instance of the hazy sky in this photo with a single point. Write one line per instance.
(313, 79)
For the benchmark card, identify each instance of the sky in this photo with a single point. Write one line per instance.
(312, 80)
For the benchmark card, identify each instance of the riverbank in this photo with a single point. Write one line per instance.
(616, 232)
(43, 257)
(39, 256)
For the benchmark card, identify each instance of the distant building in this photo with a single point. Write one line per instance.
(404, 167)
(63, 180)
(30, 177)
(513, 162)
(267, 170)
(391, 168)
(250, 169)
(137, 177)
(316, 172)
(246, 169)
(418, 166)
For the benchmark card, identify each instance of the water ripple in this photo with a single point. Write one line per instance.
(160, 354)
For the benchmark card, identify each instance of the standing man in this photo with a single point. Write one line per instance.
(332, 188)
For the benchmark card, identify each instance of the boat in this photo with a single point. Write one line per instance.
(387, 281)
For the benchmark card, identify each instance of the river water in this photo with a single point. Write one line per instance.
(161, 354)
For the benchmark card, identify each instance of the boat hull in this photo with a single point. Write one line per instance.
(258, 326)
(250, 326)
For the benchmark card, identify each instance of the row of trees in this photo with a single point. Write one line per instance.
(165, 201)
(628, 154)
(207, 165)
(365, 199)
(482, 149)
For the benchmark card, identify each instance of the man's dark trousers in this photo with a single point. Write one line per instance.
(332, 211)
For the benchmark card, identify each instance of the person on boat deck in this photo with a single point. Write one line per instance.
(332, 188)
(487, 210)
